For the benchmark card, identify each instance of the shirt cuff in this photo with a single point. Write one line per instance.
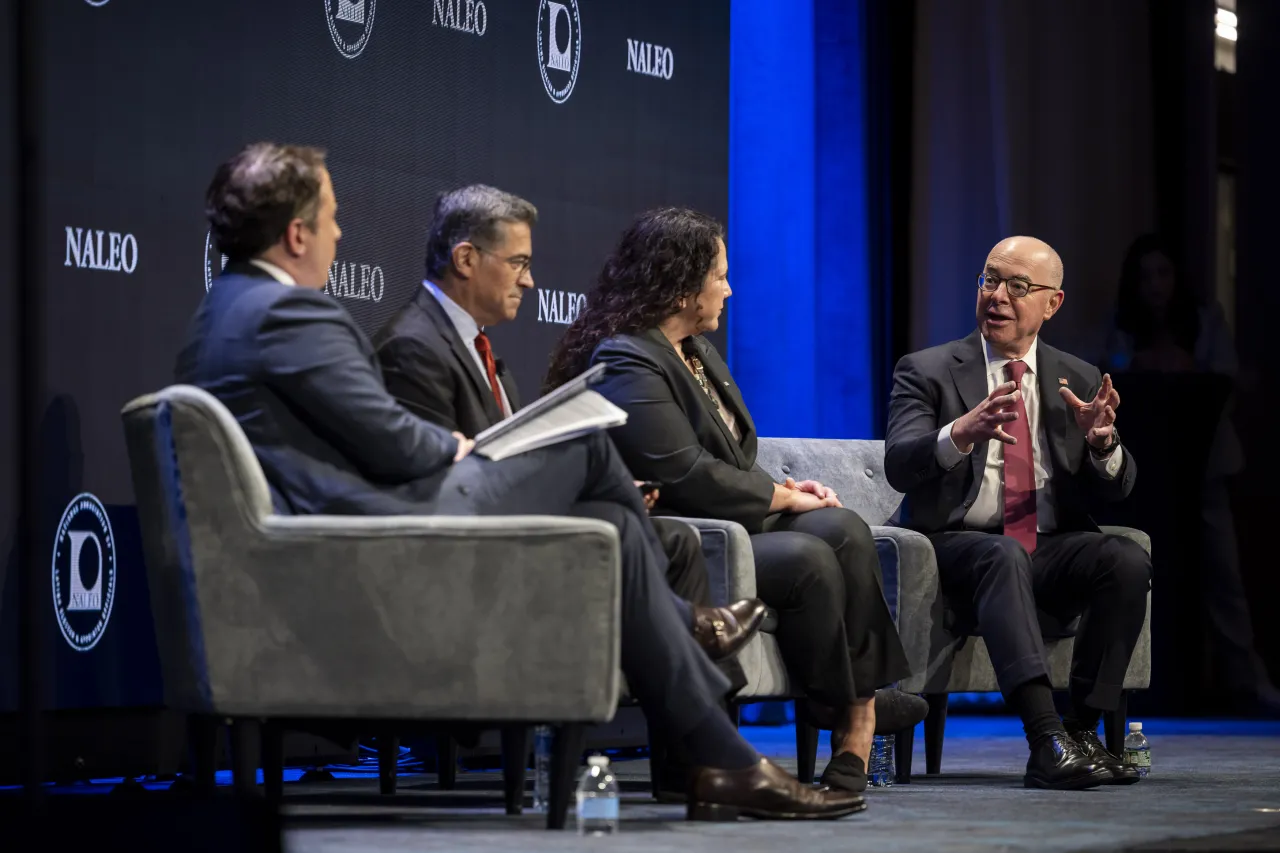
(947, 454)
(1110, 466)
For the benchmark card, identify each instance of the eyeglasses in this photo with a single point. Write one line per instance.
(1017, 287)
(518, 263)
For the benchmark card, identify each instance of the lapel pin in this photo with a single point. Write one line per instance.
(726, 383)
(1062, 380)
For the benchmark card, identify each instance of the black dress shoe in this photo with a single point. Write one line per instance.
(1091, 746)
(1058, 764)
(722, 631)
(764, 791)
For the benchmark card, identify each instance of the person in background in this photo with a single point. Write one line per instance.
(302, 380)
(1162, 327)
(1003, 445)
(688, 427)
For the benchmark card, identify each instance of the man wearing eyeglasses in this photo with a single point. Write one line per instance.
(438, 363)
(1003, 445)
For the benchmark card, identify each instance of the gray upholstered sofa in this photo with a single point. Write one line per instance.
(380, 622)
(941, 662)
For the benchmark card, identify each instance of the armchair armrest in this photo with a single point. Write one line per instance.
(411, 617)
(911, 589)
(726, 545)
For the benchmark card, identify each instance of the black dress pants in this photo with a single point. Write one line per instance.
(993, 585)
(819, 570)
(686, 566)
(674, 681)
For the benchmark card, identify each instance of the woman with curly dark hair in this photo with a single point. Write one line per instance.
(689, 429)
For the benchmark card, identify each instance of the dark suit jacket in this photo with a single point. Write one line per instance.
(300, 377)
(428, 369)
(933, 387)
(675, 436)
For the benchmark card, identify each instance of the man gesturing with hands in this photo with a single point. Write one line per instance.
(1001, 462)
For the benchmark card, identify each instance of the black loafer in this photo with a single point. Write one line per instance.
(1091, 745)
(845, 772)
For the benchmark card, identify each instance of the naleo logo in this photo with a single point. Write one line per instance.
(350, 23)
(356, 281)
(559, 47)
(84, 572)
(559, 306)
(468, 16)
(110, 251)
(651, 59)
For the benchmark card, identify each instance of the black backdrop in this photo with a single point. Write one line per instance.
(143, 98)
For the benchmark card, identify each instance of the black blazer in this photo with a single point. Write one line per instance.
(933, 387)
(301, 379)
(675, 436)
(428, 369)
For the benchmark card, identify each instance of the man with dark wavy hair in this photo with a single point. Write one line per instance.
(303, 382)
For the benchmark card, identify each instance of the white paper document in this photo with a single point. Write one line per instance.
(570, 411)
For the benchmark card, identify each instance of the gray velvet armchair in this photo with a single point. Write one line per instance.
(271, 621)
(941, 662)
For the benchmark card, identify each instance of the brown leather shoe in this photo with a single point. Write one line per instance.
(764, 791)
(722, 631)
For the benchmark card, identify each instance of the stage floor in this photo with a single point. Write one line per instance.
(1215, 781)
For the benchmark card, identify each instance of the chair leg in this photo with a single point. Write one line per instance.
(806, 745)
(447, 762)
(273, 761)
(566, 755)
(1115, 723)
(245, 749)
(202, 737)
(935, 726)
(904, 743)
(388, 763)
(515, 765)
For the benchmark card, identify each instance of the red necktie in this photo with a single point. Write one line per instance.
(1019, 472)
(491, 368)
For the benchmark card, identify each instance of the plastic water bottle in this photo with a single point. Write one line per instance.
(541, 768)
(882, 773)
(597, 798)
(1137, 750)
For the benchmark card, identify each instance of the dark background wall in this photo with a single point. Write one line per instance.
(142, 100)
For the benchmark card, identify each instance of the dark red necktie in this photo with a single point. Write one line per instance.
(490, 368)
(1019, 471)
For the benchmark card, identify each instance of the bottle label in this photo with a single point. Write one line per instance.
(598, 808)
(1138, 757)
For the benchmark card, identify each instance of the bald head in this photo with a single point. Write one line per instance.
(1011, 323)
(1032, 250)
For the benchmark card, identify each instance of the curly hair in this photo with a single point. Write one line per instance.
(256, 194)
(661, 259)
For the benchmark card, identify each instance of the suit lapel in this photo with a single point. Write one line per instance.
(1053, 409)
(676, 366)
(432, 309)
(969, 372)
(509, 385)
(730, 395)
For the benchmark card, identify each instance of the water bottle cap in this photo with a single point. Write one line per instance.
(598, 760)
(1135, 727)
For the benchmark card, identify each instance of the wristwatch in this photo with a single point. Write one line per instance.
(1109, 449)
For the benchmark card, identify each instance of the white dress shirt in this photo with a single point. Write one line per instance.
(467, 328)
(274, 271)
(988, 508)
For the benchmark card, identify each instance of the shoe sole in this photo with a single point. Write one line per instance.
(716, 812)
(1078, 783)
(1123, 780)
